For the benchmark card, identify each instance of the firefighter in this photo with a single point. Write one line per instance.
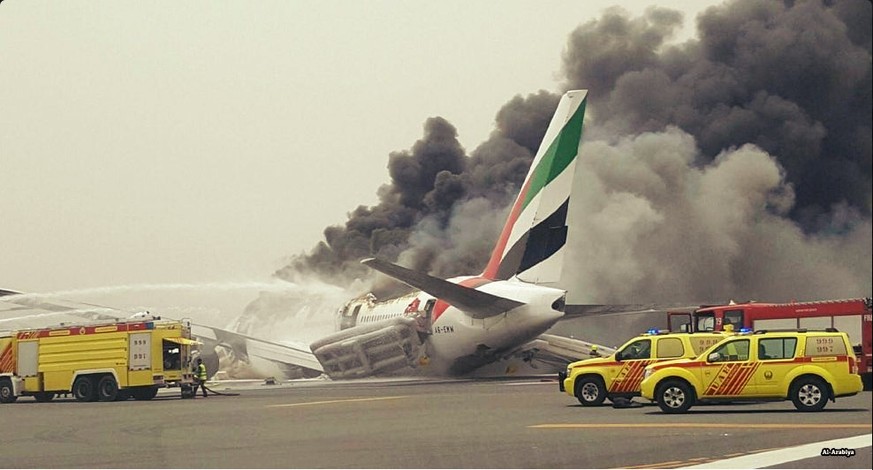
(200, 378)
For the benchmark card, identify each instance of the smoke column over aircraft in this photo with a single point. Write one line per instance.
(736, 165)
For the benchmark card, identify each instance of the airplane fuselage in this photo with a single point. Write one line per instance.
(455, 342)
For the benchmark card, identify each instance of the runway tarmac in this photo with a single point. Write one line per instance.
(509, 423)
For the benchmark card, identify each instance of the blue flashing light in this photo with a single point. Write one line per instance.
(653, 331)
(745, 330)
(150, 325)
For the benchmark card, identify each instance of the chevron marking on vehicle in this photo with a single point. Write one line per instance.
(630, 376)
(6, 361)
(731, 379)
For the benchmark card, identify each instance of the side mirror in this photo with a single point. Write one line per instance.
(618, 356)
(714, 357)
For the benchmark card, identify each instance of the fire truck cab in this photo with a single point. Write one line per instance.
(852, 316)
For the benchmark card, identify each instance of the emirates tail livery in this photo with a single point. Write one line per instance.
(446, 327)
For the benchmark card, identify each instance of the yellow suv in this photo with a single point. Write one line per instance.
(807, 367)
(592, 381)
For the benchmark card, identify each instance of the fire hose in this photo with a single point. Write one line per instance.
(189, 391)
(226, 394)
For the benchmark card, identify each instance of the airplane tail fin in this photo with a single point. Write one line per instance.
(531, 245)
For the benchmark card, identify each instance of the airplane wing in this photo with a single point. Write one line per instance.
(563, 343)
(476, 303)
(558, 351)
(292, 360)
(23, 311)
(587, 310)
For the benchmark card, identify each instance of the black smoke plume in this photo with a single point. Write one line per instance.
(734, 165)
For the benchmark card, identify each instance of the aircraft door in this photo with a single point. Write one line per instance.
(349, 316)
(426, 320)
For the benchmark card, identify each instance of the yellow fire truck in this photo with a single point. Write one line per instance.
(105, 362)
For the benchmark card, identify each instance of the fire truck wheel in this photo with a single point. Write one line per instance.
(43, 397)
(107, 388)
(590, 390)
(7, 395)
(84, 390)
(809, 394)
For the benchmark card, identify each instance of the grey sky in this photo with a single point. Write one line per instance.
(203, 142)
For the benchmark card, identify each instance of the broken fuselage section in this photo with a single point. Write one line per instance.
(377, 337)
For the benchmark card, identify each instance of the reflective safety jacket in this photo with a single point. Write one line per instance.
(201, 372)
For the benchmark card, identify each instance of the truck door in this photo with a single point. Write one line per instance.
(733, 317)
(705, 322)
(679, 322)
(866, 356)
(634, 358)
(140, 351)
(775, 358)
(28, 358)
(727, 371)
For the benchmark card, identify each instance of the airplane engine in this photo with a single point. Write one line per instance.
(382, 348)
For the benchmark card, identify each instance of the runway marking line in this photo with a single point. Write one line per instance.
(697, 460)
(673, 463)
(700, 460)
(700, 425)
(669, 464)
(330, 402)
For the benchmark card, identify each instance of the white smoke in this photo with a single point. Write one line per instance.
(648, 225)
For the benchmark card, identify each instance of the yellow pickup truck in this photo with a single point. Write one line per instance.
(594, 380)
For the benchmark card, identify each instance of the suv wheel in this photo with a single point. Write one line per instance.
(674, 396)
(590, 390)
(809, 394)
